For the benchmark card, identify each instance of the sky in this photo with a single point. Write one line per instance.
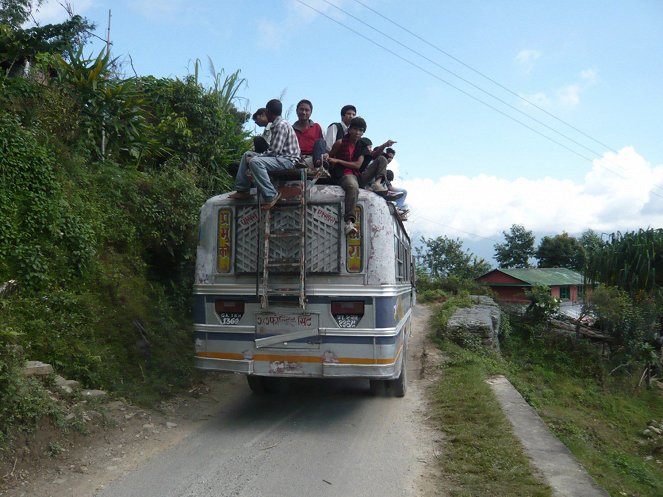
(545, 114)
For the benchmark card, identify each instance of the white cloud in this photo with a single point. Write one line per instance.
(526, 58)
(539, 99)
(589, 76)
(618, 193)
(567, 96)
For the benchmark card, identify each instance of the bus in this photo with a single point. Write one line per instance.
(284, 293)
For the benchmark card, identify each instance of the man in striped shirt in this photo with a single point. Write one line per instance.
(283, 153)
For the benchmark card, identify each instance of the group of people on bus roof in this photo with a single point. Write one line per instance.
(343, 153)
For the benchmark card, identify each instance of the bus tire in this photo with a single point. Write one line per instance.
(256, 384)
(398, 387)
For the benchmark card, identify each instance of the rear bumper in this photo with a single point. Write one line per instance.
(294, 369)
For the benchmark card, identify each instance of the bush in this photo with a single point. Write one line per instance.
(23, 400)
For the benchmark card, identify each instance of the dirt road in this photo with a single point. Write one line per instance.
(320, 438)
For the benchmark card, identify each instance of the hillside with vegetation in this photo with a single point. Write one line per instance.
(602, 397)
(101, 181)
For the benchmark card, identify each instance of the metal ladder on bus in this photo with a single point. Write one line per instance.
(294, 198)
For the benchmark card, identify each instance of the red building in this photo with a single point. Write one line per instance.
(510, 285)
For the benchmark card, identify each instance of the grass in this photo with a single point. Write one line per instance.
(482, 456)
(600, 418)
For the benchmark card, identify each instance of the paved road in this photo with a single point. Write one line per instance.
(320, 439)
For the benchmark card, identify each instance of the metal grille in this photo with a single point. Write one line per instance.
(246, 245)
(322, 238)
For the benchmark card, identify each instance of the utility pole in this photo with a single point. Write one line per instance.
(103, 118)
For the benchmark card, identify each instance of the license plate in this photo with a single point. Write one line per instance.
(277, 323)
(231, 318)
(347, 320)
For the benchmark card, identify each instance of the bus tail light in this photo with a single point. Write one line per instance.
(229, 311)
(353, 246)
(347, 314)
(224, 245)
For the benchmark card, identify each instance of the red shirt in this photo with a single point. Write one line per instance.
(346, 152)
(307, 137)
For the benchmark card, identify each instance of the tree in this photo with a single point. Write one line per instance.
(18, 45)
(444, 256)
(16, 12)
(632, 261)
(543, 306)
(517, 248)
(560, 251)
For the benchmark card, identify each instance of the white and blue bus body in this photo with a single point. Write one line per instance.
(358, 291)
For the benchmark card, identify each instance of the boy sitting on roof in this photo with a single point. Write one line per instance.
(283, 153)
(346, 159)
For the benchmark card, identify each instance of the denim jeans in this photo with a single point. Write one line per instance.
(401, 201)
(259, 166)
(319, 148)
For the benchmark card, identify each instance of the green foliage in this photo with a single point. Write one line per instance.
(633, 323)
(591, 242)
(13, 13)
(632, 261)
(560, 251)
(433, 295)
(102, 243)
(446, 310)
(443, 256)
(23, 400)
(112, 118)
(597, 416)
(517, 249)
(196, 127)
(543, 305)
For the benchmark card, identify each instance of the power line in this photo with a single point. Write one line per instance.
(573, 151)
(443, 80)
(467, 81)
(497, 83)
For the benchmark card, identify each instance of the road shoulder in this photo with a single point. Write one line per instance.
(556, 463)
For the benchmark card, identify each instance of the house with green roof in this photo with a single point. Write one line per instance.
(510, 285)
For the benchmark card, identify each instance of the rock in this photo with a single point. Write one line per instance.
(37, 368)
(647, 433)
(656, 430)
(93, 394)
(65, 389)
(8, 287)
(148, 426)
(170, 425)
(481, 320)
(63, 382)
(92, 414)
(116, 405)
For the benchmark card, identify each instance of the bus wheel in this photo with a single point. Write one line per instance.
(399, 385)
(378, 387)
(256, 384)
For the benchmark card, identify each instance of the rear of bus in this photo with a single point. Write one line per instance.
(358, 290)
